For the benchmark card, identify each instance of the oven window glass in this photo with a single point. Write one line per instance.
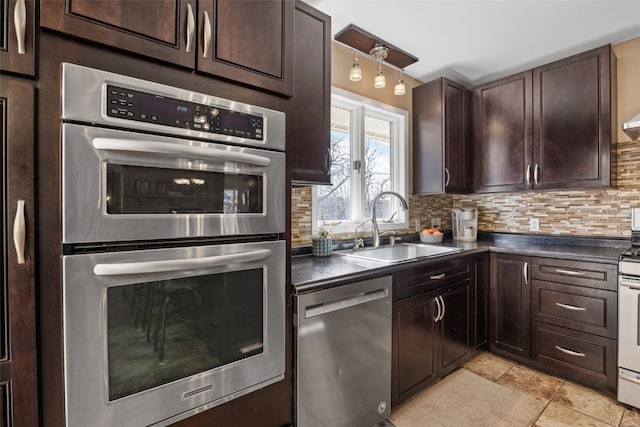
(163, 331)
(148, 190)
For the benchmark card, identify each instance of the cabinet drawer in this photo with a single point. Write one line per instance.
(430, 276)
(584, 358)
(4, 405)
(585, 309)
(590, 274)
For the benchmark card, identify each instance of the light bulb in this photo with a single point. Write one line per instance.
(399, 88)
(379, 81)
(355, 74)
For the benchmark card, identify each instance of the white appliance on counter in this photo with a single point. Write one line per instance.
(464, 222)
(629, 318)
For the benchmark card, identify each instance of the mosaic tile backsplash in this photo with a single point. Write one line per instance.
(598, 212)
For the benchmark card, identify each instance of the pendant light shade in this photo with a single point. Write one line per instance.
(355, 74)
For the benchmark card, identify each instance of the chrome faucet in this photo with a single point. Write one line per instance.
(375, 232)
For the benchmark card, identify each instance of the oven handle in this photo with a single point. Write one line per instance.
(116, 144)
(179, 264)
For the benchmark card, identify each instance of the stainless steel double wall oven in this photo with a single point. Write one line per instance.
(174, 266)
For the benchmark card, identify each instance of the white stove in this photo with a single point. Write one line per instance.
(629, 318)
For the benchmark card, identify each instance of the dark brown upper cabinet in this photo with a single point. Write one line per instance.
(17, 49)
(18, 357)
(250, 41)
(440, 116)
(503, 135)
(309, 139)
(572, 121)
(547, 128)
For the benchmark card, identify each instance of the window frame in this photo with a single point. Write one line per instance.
(361, 107)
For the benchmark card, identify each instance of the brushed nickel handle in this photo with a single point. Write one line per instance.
(207, 35)
(527, 174)
(570, 272)
(19, 232)
(447, 177)
(571, 307)
(437, 318)
(536, 171)
(20, 22)
(444, 308)
(151, 267)
(569, 352)
(438, 276)
(525, 273)
(191, 27)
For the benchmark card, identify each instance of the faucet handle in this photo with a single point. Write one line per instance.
(357, 244)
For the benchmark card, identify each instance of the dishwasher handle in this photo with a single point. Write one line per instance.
(350, 301)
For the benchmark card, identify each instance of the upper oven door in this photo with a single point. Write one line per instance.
(126, 186)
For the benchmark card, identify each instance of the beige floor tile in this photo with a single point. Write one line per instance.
(489, 366)
(589, 402)
(630, 418)
(540, 385)
(559, 416)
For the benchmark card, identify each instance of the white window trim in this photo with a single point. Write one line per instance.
(399, 172)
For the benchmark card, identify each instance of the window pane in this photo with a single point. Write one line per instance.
(377, 159)
(333, 201)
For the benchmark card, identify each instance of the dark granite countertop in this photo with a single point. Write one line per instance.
(309, 273)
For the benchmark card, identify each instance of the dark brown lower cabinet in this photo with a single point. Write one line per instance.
(509, 305)
(18, 370)
(586, 358)
(432, 335)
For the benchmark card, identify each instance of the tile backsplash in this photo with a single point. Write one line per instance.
(597, 212)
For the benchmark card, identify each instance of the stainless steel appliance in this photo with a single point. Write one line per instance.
(221, 177)
(343, 355)
(157, 327)
(629, 318)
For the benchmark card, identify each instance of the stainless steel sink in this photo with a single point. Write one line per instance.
(400, 253)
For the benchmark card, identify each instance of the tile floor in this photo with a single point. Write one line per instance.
(564, 403)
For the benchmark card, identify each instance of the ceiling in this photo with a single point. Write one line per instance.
(476, 41)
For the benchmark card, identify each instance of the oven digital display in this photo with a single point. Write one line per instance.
(165, 108)
(236, 121)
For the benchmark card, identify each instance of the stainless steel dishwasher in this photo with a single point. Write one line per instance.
(343, 355)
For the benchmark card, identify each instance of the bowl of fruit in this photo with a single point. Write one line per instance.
(431, 235)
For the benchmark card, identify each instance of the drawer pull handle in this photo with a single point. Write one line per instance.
(569, 352)
(191, 25)
(437, 276)
(570, 272)
(525, 273)
(571, 307)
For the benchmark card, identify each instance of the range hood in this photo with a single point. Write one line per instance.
(632, 127)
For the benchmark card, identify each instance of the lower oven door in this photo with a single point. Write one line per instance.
(152, 336)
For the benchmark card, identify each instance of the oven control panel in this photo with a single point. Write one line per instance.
(145, 107)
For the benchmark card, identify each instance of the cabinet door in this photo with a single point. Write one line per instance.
(11, 59)
(503, 135)
(309, 143)
(414, 340)
(510, 304)
(158, 29)
(251, 42)
(18, 375)
(572, 121)
(455, 327)
(428, 138)
(456, 100)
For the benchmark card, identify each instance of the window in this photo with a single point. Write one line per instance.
(369, 155)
